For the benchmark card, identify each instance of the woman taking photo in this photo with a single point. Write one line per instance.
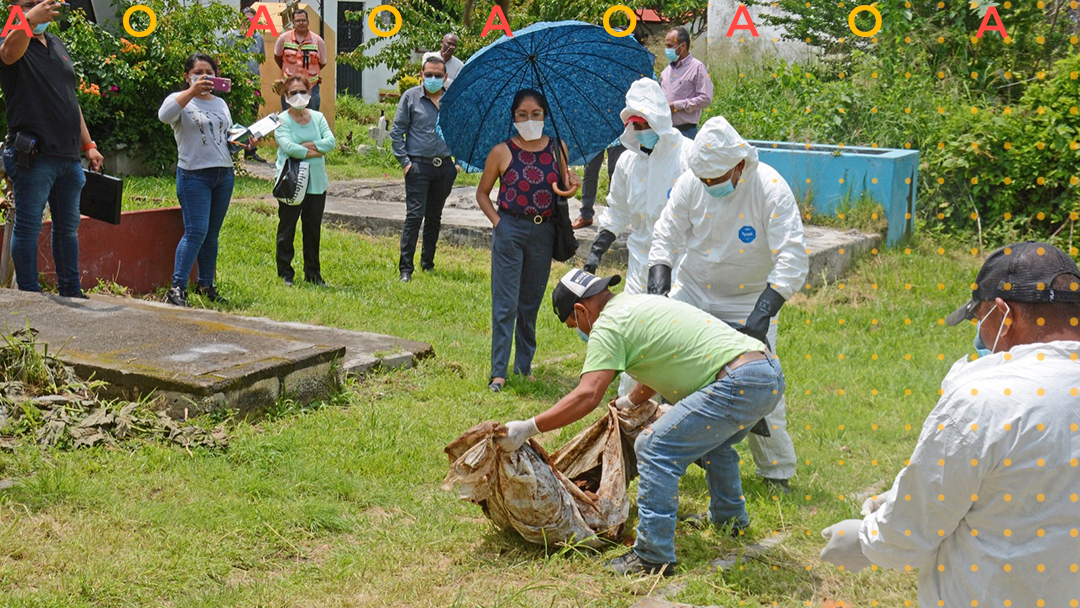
(523, 230)
(204, 174)
(305, 135)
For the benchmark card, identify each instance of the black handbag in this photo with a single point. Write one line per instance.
(566, 245)
(291, 184)
(102, 197)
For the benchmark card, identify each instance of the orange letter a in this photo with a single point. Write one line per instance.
(256, 25)
(491, 25)
(749, 25)
(16, 11)
(999, 28)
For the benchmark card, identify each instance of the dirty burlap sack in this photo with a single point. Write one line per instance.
(571, 496)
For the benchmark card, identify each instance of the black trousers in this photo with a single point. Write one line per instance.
(426, 190)
(310, 212)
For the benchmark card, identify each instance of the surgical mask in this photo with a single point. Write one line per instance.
(720, 190)
(298, 101)
(584, 336)
(433, 84)
(40, 28)
(980, 346)
(672, 55)
(647, 138)
(530, 129)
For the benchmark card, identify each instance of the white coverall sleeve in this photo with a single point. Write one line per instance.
(791, 263)
(669, 235)
(617, 217)
(942, 480)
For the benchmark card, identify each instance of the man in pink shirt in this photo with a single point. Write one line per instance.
(685, 82)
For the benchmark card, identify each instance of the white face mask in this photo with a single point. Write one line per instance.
(530, 129)
(298, 101)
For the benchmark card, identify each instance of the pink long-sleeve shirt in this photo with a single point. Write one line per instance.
(686, 84)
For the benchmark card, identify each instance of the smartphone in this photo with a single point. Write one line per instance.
(222, 85)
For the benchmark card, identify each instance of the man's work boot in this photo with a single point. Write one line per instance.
(777, 484)
(700, 521)
(581, 222)
(630, 563)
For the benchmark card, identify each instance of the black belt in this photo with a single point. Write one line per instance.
(536, 219)
(435, 161)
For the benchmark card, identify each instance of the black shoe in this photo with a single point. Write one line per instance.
(428, 270)
(630, 563)
(496, 387)
(317, 282)
(288, 282)
(255, 157)
(700, 521)
(210, 293)
(78, 296)
(777, 484)
(406, 277)
(177, 296)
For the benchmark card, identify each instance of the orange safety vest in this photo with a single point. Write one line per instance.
(301, 58)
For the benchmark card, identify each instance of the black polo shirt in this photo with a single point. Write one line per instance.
(40, 92)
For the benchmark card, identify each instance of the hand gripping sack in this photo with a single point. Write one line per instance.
(291, 184)
(575, 495)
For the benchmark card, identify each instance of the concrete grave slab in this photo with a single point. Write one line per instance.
(199, 360)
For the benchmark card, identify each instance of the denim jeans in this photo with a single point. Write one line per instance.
(689, 130)
(312, 105)
(520, 267)
(592, 177)
(704, 427)
(204, 198)
(59, 182)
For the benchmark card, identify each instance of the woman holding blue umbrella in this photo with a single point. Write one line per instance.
(530, 168)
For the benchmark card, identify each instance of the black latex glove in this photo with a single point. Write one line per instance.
(761, 428)
(599, 248)
(659, 280)
(768, 304)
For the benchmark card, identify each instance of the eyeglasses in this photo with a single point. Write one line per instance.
(535, 115)
(297, 92)
(431, 75)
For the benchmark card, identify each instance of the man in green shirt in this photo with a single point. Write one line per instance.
(720, 381)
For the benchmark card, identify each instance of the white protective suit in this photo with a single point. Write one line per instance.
(641, 183)
(729, 249)
(987, 508)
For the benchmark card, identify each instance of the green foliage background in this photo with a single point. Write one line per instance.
(996, 123)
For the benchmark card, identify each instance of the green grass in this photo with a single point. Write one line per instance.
(341, 506)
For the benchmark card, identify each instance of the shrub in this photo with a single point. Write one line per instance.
(406, 83)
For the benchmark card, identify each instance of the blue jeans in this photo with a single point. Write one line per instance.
(520, 266)
(204, 198)
(704, 427)
(689, 130)
(59, 182)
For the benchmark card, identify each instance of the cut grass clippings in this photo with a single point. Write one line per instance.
(341, 506)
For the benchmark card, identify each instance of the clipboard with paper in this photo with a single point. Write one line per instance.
(240, 136)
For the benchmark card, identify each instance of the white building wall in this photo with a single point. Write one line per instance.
(768, 42)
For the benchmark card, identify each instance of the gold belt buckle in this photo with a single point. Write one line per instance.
(537, 219)
(436, 161)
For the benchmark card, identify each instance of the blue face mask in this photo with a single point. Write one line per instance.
(720, 190)
(40, 28)
(672, 55)
(980, 346)
(584, 336)
(647, 138)
(433, 84)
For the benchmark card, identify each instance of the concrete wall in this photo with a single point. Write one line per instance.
(768, 42)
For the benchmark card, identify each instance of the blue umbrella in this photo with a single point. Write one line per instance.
(582, 70)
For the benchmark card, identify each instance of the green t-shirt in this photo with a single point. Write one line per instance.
(670, 346)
